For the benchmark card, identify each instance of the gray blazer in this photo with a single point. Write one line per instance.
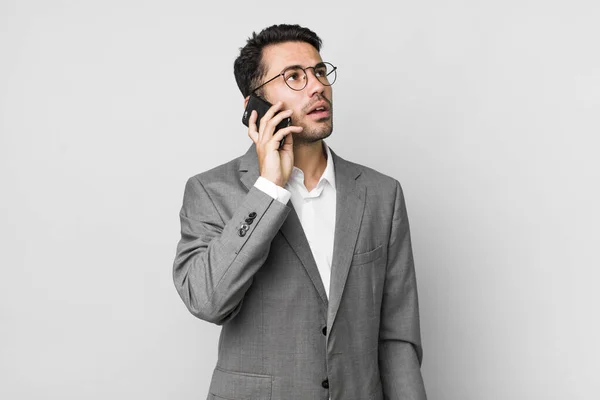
(281, 338)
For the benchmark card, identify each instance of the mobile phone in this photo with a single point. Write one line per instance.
(262, 106)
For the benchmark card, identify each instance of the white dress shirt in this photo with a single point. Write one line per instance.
(316, 211)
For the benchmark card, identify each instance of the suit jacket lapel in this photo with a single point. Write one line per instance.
(350, 203)
(294, 234)
(291, 228)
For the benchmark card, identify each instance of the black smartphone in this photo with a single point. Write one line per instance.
(262, 106)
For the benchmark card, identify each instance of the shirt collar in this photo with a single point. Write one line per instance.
(329, 172)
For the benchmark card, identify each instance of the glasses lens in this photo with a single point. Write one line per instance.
(295, 78)
(325, 73)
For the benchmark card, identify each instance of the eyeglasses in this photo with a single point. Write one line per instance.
(295, 77)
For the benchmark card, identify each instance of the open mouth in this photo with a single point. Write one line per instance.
(320, 111)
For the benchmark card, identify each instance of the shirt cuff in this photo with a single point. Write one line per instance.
(277, 192)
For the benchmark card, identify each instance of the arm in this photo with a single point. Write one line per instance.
(400, 351)
(214, 266)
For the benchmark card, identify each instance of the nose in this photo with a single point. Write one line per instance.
(314, 85)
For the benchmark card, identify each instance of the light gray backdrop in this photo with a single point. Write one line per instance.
(487, 112)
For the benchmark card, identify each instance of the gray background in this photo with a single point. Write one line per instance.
(487, 112)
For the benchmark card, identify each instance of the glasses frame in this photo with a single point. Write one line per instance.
(282, 74)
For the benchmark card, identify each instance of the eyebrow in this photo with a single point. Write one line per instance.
(320, 63)
(292, 66)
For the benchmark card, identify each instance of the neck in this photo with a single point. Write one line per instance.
(311, 158)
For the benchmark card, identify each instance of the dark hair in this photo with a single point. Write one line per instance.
(248, 67)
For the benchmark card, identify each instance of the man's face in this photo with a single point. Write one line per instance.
(317, 124)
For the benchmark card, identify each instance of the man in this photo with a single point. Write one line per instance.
(303, 257)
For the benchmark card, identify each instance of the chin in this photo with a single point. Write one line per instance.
(311, 137)
(314, 132)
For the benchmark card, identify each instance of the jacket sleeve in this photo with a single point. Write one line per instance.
(216, 260)
(400, 350)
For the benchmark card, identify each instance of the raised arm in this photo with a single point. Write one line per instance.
(216, 260)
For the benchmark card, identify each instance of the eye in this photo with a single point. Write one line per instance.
(321, 71)
(292, 76)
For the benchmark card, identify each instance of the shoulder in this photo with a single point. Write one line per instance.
(218, 188)
(229, 170)
(221, 180)
(375, 181)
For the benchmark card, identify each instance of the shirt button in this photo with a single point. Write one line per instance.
(325, 383)
(324, 330)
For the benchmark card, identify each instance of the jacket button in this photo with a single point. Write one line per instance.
(252, 214)
(324, 331)
(325, 383)
(244, 227)
(249, 220)
(242, 232)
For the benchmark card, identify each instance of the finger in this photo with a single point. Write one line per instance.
(267, 130)
(252, 130)
(273, 122)
(274, 109)
(288, 143)
(283, 134)
(270, 126)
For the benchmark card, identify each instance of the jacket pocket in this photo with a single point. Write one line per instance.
(230, 385)
(369, 256)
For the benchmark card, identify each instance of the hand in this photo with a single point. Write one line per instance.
(274, 164)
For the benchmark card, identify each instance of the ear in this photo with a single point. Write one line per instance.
(246, 101)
